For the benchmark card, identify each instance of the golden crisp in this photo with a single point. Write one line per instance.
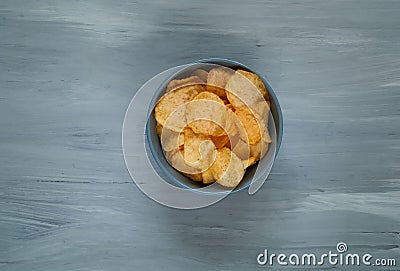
(206, 114)
(257, 81)
(192, 80)
(197, 177)
(231, 127)
(199, 150)
(169, 140)
(241, 91)
(249, 162)
(220, 141)
(227, 169)
(251, 124)
(233, 140)
(172, 107)
(230, 107)
(175, 158)
(242, 149)
(262, 110)
(259, 149)
(217, 79)
(207, 176)
(202, 74)
(265, 136)
(159, 128)
(181, 139)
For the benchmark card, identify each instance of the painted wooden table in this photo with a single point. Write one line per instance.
(68, 70)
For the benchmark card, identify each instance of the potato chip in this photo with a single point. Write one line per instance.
(257, 81)
(159, 128)
(231, 127)
(181, 139)
(233, 140)
(262, 116)
(207, 176)
(242, 149)
(230, 107)
(169, 140)
(265, 136)
(262, 110)
(217, 79)
(220, 141)
(241, 91)
(202, 74)
(227, 169)
(175, 158)
(249, 162)
(197, 177)
(251, 124)
(206, 95)
(206, 114)
(259, 149)
(192, 142)
(192, 80)
(199, 150)
(172, 107)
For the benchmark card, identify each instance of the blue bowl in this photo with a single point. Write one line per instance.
(173, 176)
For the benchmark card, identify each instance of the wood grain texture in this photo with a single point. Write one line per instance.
(68, 70)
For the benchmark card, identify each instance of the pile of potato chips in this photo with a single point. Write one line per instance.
(213, 124)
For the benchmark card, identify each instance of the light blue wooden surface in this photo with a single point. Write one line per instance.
(68, 70)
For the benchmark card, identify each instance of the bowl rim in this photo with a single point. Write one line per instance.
(211, 61)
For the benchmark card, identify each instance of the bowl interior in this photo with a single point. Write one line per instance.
(174, 177)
